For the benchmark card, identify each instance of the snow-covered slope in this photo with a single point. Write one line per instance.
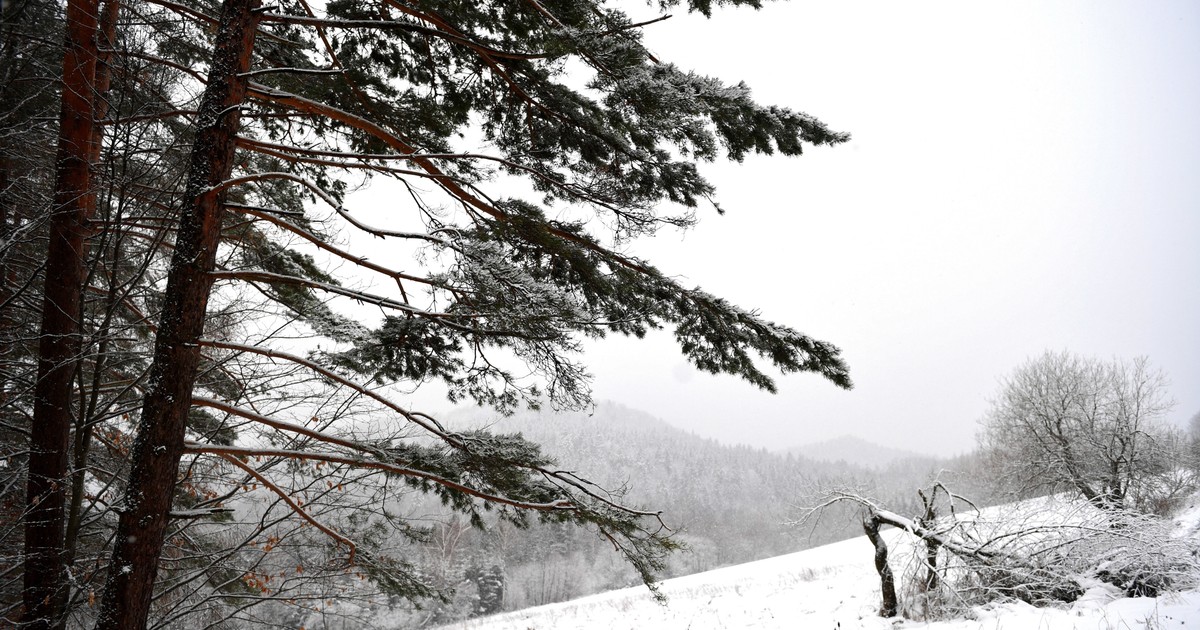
(833, 587)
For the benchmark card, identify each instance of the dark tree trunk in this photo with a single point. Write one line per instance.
(107, 38)
(887, 583)
(8, 322)
(932, 577)
(933, 544)
(45, 586)
(159, 443)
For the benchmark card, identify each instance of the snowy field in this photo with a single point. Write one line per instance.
(834, 587)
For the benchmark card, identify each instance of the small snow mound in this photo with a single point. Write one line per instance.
(1097, 596)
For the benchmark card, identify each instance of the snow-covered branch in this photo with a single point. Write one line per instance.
(249, 451)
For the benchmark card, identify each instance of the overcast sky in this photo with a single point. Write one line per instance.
(1022, 176)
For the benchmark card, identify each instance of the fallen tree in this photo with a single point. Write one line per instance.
(1043, 552)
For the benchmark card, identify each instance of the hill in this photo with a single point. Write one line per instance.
(854, 451)
(728, 504)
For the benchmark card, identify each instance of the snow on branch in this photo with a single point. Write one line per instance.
(246, 451)
(360, 296)
(402, 26)
(285, 426)
(422, 420)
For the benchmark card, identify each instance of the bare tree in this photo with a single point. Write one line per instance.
(1063, 421)
(1040, 551)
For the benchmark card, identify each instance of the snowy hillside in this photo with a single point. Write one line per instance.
(832, 587)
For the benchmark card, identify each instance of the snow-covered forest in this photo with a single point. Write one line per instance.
(241, 387)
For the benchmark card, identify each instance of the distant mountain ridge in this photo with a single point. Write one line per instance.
(736, 497)
(729, 504)
(855, 451)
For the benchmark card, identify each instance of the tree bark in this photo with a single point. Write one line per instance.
(161, 429)
(887, 582)
(933, 545)
(106, 42)
(45, 579)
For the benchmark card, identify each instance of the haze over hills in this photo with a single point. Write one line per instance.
(729, 504)
(855, 451)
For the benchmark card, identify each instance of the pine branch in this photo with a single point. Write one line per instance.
(239, 451)
(277, 18)
(361, 261)
(286, 426)
(299, 511)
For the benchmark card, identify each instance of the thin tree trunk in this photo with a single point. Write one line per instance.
(933, 545)
(45, 585)
(159, 443)
(887, 581)
(7, 321)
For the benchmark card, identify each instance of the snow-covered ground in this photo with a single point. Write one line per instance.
(834, 587)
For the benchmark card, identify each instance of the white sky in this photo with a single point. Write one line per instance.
(1022, 176)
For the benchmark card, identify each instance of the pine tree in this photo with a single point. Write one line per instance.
(300, 100)
(94, 250)
(85, 77)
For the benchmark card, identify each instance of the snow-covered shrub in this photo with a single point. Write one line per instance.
(1142, 556)
(1042, 552)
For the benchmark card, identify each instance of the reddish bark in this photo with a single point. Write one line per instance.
(159, 443)
(106, 42)
(59, 344)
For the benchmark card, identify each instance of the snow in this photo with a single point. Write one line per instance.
(834, 587)
(1187, 523)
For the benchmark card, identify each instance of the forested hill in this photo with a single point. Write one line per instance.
(727, 504)
(730, 503)
(854, 450)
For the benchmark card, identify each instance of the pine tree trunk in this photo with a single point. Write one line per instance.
(106, 42)
(45, 584)
(159, 443)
